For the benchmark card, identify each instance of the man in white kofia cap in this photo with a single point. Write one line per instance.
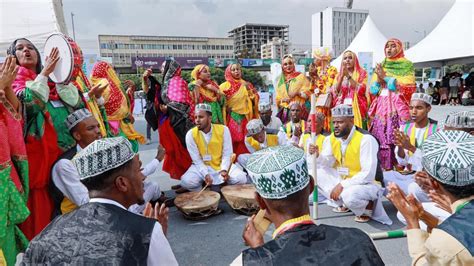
(258, 138)
(271, 123)
(282, 184)
(408, 142)
(103, 231)
(210, 148)
(349, 165)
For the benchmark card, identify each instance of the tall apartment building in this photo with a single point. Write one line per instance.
(121, 48)
(336, 27)
(249, 38)
(274, 49)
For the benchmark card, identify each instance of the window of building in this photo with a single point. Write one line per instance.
(103, 46)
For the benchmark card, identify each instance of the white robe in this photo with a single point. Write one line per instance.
(361, 188)
(194, 177)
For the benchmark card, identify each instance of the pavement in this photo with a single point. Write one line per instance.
(218, 240)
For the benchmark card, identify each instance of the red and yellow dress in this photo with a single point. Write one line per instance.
(354, 95)
(327, 78)
(242, 104)
(293, 83)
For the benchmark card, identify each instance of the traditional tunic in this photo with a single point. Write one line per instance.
(242, 103)
(274, 125)
(211, 154)
(47, 105)
(412, 161)
(353, 164)
(203, 95)
(353, 95)
(389, 108)
(13, 183)
(297, 83)
(116, 104)
(310, 244)
(288, 129)
(450, 243)
(112, 235)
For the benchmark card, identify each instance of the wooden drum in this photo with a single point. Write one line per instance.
(200, 207)
(241, 198)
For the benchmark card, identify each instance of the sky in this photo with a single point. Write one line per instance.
(407, 20)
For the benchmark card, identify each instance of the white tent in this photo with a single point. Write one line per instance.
(34, 20)
(450, 42)
(368, 39)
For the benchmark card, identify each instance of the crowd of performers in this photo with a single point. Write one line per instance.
(69, 151)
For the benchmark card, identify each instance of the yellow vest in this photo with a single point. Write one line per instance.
(272, 140)
(352, 156)
(67, 206)
(289, 130)
(214, 148)
(319, 141)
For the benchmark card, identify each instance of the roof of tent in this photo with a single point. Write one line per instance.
(368, 39)
(450, 42)
(34, 20)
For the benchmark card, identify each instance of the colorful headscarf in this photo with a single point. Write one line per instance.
(399, 45)
(175, 88)
(235, 84)
(195, 76)
(397, 65)
(117, 98)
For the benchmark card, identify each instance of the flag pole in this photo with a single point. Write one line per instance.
(313, 158)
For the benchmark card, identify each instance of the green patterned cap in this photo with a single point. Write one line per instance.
(103, 155)
(278, 172)
(448, 156)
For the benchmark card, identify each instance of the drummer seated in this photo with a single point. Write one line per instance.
(258, 139)
(408, 142)
(210, 148)
(282, 190)
(305, 141)
(293, 130)
(348, 166)
(67, 191)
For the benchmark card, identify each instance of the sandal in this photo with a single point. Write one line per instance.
(341, 209)
(362, 219)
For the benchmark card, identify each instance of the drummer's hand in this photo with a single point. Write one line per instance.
(313, 149)
(159, 213)
(251, 235)
(225, 175)
(208, 180)
(50, 63)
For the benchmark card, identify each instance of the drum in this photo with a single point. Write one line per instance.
(70, 61)
(241, 198)
(200, 207)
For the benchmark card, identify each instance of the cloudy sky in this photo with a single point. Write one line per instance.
(405, 19)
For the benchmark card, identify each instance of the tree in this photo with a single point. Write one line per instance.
(252, 77)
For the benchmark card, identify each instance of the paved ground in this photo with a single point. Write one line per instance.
(217, 241)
